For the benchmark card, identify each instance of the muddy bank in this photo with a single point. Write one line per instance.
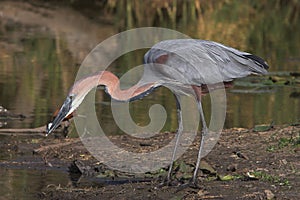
(245, 164)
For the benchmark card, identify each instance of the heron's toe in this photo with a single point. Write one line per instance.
(195, 184)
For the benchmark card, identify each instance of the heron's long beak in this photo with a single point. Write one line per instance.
(63, 112)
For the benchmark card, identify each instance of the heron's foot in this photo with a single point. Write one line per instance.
(167, 182)
(182, 187)
(194, 183)
(172, 182)
(190, 184)
(163, 184)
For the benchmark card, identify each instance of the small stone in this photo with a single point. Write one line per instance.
(232, 167)
(242, 155)
(207, 168)
(269, 194)
(202, 193)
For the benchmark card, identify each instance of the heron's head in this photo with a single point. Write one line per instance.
(71, 103)
(73, 100)
(75, 97)
(66, 109)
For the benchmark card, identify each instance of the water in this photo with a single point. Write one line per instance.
(41, 48)
(29, 183)
(40, 58)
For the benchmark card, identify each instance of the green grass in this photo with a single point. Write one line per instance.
(270, 178)
(285, 142)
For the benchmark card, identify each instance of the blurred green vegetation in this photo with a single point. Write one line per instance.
(249, 25)
(268, 28)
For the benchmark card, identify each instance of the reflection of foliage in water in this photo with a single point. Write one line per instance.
(33, 64)
(268, 28)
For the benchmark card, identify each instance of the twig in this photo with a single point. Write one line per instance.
(52, 146)
(24, 131)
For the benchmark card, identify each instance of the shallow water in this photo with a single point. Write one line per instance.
(28, 183)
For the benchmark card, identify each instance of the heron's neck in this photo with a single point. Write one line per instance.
(112, 84)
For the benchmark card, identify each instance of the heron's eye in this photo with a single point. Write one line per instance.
(71, 96)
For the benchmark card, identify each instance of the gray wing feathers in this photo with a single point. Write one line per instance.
(203, 61)
(235, 59)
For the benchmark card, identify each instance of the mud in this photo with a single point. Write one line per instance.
(245, 164)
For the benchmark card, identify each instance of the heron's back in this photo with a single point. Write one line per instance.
(200, 62)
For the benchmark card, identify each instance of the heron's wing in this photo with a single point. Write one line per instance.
(234, 63)
(201, 62)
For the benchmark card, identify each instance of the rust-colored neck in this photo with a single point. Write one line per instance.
(112, 84)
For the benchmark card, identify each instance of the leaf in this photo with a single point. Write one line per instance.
(263, 127)
(227, 178)
(204, 166)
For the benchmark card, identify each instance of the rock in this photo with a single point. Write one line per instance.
(269, 194)
(207, 168)
(232, 167)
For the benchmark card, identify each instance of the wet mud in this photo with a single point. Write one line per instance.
(244, 164)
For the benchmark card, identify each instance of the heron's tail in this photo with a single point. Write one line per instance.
(258, 61)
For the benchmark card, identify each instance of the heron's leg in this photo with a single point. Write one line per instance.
(178, 135)
(203, 132)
